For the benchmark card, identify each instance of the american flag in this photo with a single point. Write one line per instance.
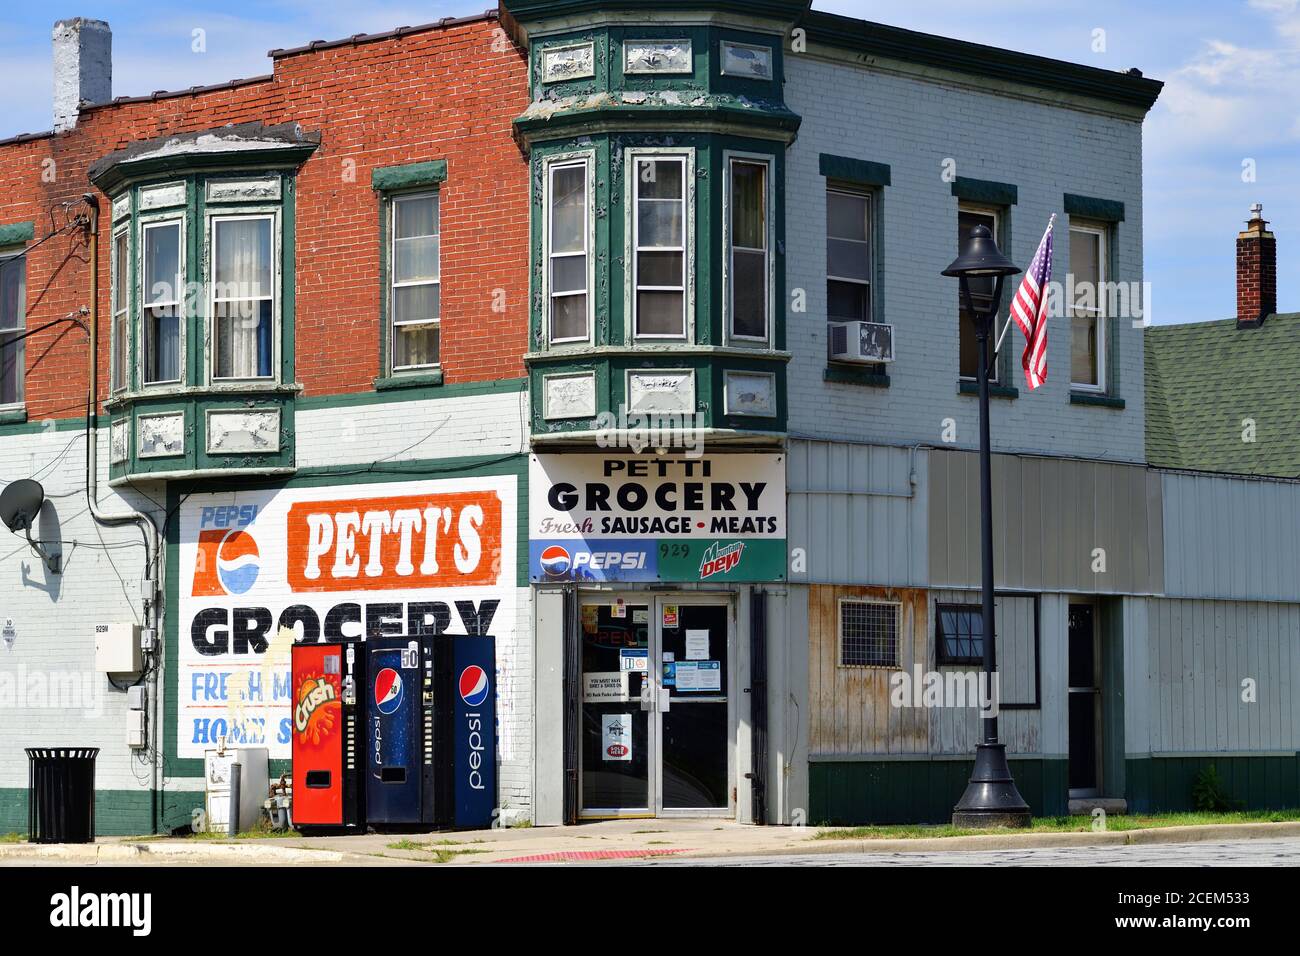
(1029, 309)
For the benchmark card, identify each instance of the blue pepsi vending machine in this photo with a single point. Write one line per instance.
(401, 777)
(466, 719)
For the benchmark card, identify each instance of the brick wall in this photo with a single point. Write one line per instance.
(438, 94)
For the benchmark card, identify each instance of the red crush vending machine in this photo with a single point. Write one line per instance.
(327, 780)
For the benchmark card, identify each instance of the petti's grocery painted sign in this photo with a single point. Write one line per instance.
(262, 569)
(719, 518)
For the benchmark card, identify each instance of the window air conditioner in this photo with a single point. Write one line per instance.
(866, 342)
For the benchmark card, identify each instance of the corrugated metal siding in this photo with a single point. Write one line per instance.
(1231, 538)
(857, 514)
(1190, 674)
(1049, 515)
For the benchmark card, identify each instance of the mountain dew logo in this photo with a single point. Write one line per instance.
(720, 558)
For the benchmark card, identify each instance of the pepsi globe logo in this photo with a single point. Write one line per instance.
(238, 561)
(388, 691)
(555, 561)
(473, 685)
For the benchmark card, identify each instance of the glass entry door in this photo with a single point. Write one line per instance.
(656, 706)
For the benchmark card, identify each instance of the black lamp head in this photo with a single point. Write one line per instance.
(980, 258)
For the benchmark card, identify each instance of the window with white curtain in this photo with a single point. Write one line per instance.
(121, 308)
(568, 202)
(748, 249)
(415, 303)
(659, 228)
(13, 322)
(243, 296)
(161, 296)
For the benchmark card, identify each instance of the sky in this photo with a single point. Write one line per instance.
(1224, 134)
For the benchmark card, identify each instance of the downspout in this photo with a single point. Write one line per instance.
(148, 529)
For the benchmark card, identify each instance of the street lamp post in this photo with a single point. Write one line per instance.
(991, 798)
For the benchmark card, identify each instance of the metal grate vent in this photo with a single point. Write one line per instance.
(869, 634)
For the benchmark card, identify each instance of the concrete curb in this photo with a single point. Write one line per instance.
(213, 853)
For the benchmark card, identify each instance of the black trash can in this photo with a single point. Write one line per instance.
(61, 794)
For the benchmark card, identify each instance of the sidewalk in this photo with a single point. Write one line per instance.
(609, 840)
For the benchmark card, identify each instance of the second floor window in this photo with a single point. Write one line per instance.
(660, 230)
(1088, 310)
(13, 322)
(981, 292)
(121, 308)
(162, 296)
(567, 205)
(243, 296)
(748, 249)
(417, 282)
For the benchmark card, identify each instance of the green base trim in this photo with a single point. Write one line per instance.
(986, 191)
(855, 376)
(860, 171)
(995, 391)
(15, 232)
(1101, 401)
(117, 812)
(1160, 784)
(424, 379)
(921, 791)
(1086, 207)
(409, 177)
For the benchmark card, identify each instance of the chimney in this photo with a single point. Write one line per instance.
(83, 68)
(1256, 272)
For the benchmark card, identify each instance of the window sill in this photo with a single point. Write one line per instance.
(1101, 401)
(995, 391)
(13, 416)
(845, 375)
(418, 380)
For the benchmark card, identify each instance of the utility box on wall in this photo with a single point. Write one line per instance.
(117, 648)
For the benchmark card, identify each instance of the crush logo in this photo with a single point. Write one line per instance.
(314, 716)
(720, 558)
(227, 562)
(473, 685)
(388, 691)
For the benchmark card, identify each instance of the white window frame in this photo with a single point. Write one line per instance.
(898, 633)
(393, 324)
(995, 373)
(870, 196)
(21, 403)
(632, 159)
(1098, 313)
(587, 159)
(162, 220)
(273, 214)
(120, 350)
(730, 159)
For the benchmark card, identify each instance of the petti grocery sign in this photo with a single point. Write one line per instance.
(645, 518)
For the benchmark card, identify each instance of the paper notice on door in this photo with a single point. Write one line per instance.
(703, 676)
(605, 687)
(634, 659)
(590, 619)
(670, 616)
(616, 736)
(697, 645)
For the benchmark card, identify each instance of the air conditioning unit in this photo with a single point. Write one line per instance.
(865, 342)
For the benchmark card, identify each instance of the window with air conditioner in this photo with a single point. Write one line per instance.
(852, 334)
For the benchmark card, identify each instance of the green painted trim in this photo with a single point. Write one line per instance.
(985, 191)
(26, 426)
(17, 232)
(536, 12)
(414, 393)
(410, 176)
(858, 171)
(1101, 401)
(1086, 207)
(112, 179)
(1164, 783)
(421, 380)
(14, 416)
(117, 812)
(995, 391)
(854, 376)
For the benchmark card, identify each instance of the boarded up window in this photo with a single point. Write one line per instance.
(868, 634)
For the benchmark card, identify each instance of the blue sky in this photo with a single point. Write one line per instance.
(1232, 69)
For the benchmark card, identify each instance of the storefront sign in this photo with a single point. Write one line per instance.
(720, 518)
(616, 736)
(261, 569)
(603, 687)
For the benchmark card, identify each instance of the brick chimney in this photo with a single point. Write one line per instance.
(1256, 272)
(83, 68)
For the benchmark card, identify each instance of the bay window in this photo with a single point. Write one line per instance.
(568, 252)
(748, 249)
(119, 337)
(242, 291)
(1088, 308)
(415, 302)
(659, 236)
(162, 296)
(13, 322)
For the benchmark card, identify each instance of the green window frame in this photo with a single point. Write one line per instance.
(757, 239)
(119, 338)
(13, 323)
(424, 289)
(558, 269)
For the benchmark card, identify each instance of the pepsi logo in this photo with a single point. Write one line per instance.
(388, 691)
(473, 685)
(555, 561)
(238, 561)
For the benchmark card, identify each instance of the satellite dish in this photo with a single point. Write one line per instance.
(20, 503)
